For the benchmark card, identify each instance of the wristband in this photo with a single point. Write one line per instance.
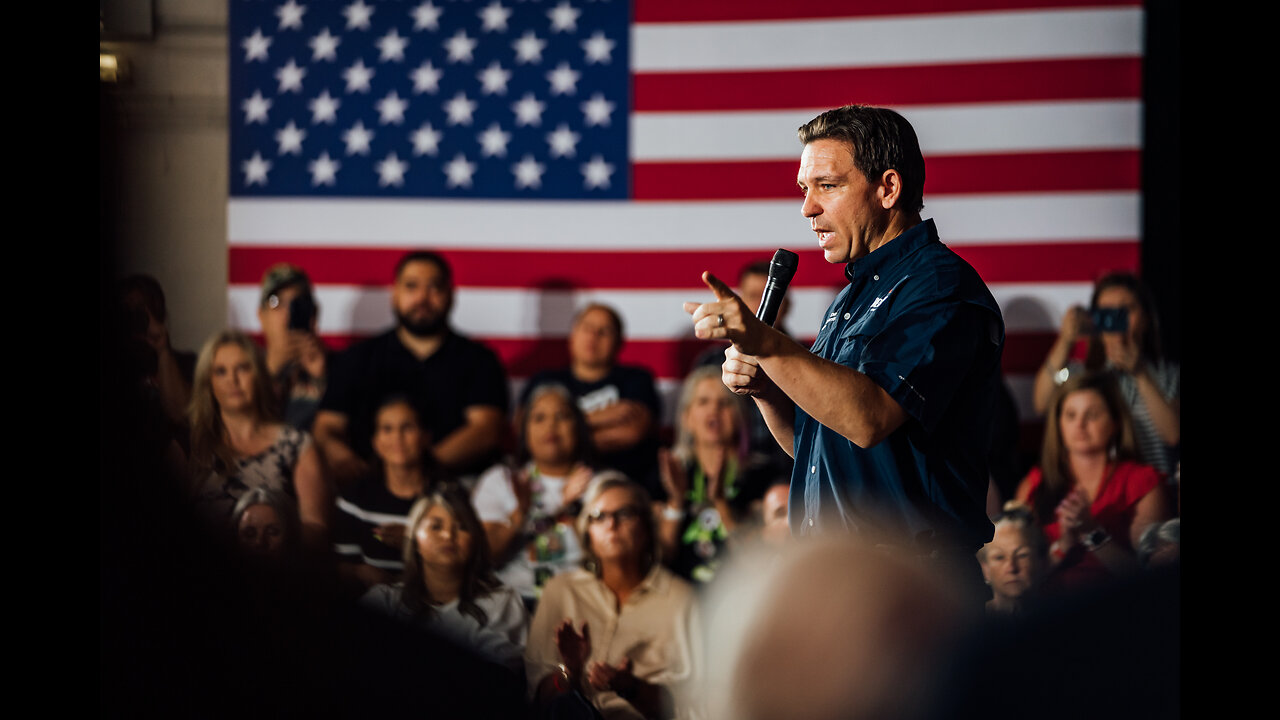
(1056, 551)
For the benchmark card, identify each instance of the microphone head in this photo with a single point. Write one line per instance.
(781, 270)
(784, 265)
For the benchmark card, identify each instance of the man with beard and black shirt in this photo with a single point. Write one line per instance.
(457, 385)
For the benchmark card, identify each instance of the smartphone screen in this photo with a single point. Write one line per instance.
(302, 312)
(1110, 320)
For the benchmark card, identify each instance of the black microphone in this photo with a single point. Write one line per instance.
(781, 270)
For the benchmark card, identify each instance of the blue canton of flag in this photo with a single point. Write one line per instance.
(441, 98)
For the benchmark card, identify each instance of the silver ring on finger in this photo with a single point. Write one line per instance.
(720, 320)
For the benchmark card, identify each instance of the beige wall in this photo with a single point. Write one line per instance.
(170, 127)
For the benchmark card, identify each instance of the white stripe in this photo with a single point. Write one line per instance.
(524, 313)
(1023, 219)
(376, 518)
(942, 130)
(763, 225)
(1037, 307)
(866, 42)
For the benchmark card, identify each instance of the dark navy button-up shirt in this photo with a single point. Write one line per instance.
(919, 322)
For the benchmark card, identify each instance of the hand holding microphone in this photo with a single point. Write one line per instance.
(725, 318)
(729, 318)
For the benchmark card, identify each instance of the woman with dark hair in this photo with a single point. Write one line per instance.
(1088, 495)
(528, 511)
(1127, 346)
(448, 585)
(619, 401)
(237, 444)
(372, 514)
(621, 633)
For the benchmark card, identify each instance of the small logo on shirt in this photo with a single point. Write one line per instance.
(880, 300)
(831, 318)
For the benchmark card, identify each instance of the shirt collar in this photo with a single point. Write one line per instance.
(652, 581)
(889, 254)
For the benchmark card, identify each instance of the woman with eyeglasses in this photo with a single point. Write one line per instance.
(620, 636)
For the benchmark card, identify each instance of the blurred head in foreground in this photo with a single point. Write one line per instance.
(828, 628)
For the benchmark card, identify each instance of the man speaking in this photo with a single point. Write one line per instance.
(887, 416)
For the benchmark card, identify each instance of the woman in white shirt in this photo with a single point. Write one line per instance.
(448, 586)
(529, 510)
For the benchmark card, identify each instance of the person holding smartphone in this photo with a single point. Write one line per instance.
(1123, 338)
(295, 356)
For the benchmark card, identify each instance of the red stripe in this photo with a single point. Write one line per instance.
(1065, 262)
(1087, 170)
(667, 270)
(1023, 352)
(1030, 80)
(662, 11)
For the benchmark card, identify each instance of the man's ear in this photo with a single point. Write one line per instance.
(890, 188)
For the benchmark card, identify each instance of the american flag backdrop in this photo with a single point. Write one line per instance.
(559, 152)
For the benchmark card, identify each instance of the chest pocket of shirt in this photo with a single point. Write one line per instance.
(863, 329)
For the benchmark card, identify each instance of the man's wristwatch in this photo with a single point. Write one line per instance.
(1095, 539)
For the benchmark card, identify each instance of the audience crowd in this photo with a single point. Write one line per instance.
(562, 541)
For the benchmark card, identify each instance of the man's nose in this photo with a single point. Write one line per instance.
(809, 208)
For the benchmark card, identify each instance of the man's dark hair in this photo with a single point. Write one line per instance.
(614, 318)
(881, 140)
(758, 267)
(426, 256)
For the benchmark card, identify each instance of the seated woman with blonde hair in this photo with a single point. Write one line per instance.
(621, 636)
(238, 444)
(710, 480)
(1089, 496)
